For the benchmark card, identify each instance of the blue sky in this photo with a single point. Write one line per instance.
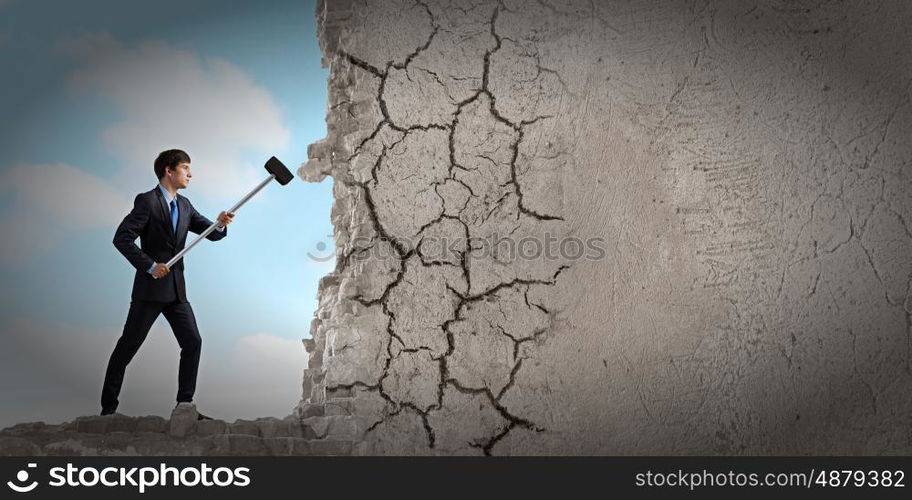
(90, 95)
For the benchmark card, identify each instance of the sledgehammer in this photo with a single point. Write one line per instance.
(277, 170)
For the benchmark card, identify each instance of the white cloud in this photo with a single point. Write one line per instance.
(49, 199)
(65, 194)
(171, 98)
(61, 369)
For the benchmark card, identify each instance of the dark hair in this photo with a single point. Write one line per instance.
(169, 159)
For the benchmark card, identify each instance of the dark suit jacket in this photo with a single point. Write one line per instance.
(150, 221)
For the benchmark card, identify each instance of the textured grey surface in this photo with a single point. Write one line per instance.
(745, 166)
(181, 435)
(746, 163)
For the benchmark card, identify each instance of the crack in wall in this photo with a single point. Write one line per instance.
(465, 122)
(858, 372)
(405, 250)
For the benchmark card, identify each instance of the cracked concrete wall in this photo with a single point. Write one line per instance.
(745, 164)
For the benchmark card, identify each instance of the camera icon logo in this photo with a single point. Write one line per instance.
(22, 477)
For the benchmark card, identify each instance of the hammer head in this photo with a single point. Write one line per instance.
(277, 168)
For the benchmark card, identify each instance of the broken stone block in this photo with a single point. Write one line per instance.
(116, 442)
(300, 446)
(93, 424)
(337, 427)
(84, 446)
(354, 352)
(215, 445)
(338, 407)
(278, 446)
(307, 386)
(183, 420)
(211, 427)
(271, 427)
(18, 447)
(298, 429)
(151, 423)
(309, 410)
(304, 431)
(246, 427)
(121, 423)
(242, 444)
(308, 345)
(320, 425)
(27, 428)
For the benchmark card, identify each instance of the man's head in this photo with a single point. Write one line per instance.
(172, 167)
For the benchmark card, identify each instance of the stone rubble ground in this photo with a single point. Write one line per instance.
(181, 435)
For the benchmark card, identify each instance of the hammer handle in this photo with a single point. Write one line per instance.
(214, 224)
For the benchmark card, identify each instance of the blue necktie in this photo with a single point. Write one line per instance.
(174, 215)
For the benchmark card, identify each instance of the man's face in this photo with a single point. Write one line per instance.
(180, 175)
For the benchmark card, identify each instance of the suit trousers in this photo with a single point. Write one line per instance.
(139, 320)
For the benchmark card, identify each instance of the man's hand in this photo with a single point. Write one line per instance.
(225, 218)
(160, 270)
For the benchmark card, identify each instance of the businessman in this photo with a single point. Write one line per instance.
(160, 219)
